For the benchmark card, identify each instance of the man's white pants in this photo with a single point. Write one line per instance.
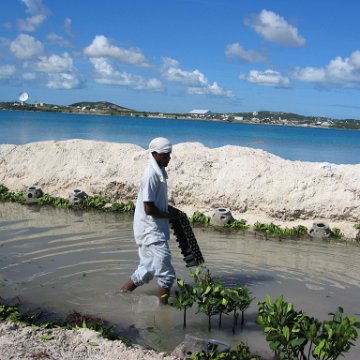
(155, 261)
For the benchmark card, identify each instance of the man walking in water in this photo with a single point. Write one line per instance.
(151, 223)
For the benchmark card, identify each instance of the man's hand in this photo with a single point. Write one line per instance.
(152, 210)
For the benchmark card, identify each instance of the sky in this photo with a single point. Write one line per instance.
(175, 56)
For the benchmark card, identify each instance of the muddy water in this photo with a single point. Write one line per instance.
(71, 260)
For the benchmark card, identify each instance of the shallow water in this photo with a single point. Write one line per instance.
(67, 260)
(289, 142)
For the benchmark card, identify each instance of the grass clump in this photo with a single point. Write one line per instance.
(73, 321)
(276, 230)
(337, 233)
(238, 225)
(199, 218)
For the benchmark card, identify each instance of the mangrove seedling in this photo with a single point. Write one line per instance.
(207, 293)
(6, 195)
(282, 326)
(293, 335)
(210, 300)
(121, 207)
(337, 336)
(211, 296)
(96, 202)
(241, 352)
(276, 230)
(239, 299)
(337, 233)
(184, 298)
(238, 224)
(200, 218)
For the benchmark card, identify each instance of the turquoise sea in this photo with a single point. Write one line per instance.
(289, 142)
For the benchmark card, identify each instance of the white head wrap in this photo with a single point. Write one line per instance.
(160, 145)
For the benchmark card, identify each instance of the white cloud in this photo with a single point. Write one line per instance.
(65, 81)
(59, 40)
(172, 72)
(235, 50)
(309, 74)
(102, 67)
(211, 89)
(26, 47)
(101, 48)
(267, 78)
(154, 84)
(29, 76)
(7, 71)
(106, 74)
(339, 72)
(68, 26)
(53, 64)
(38, 14)
(275, 28)
(196, 81)
(59, 69)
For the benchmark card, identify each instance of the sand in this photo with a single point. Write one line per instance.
(253, 184)
(25, 342)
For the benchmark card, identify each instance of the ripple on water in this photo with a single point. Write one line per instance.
(77, 261)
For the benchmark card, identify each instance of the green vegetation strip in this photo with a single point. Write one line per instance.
(74, 321)
(290, 334)
(268, 230)
(211, 297)
(104, 203)
(97, 202)
(293, 335)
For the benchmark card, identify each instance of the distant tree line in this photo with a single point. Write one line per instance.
(104, 107)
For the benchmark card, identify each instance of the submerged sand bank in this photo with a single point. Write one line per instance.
(254, 184)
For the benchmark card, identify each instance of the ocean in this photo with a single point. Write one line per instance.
(289, 142)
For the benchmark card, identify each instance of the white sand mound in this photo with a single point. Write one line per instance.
(254, 184)
(26, 342)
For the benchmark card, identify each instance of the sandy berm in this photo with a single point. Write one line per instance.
(253, 184)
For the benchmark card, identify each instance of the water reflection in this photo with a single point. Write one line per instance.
(72, 260)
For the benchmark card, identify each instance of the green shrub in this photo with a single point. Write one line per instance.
(241, 352)
(276, 230)
(3, 189)
(238, 224)
(337, 233)
(45, 199)
(9, 312)
(95, 202)
(211, 296)
(200, 218)
(122, 207)
(293, 335)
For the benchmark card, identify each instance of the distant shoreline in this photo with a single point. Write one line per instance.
(310, 122)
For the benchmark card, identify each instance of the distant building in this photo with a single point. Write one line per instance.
(200, 113)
